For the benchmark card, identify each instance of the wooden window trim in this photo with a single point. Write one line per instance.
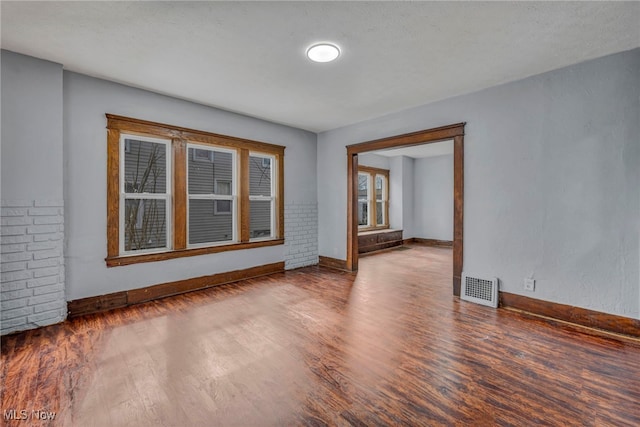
(179, 137)
(373, 202)
(181, 253)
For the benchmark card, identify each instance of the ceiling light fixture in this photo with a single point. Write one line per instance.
(323, 52)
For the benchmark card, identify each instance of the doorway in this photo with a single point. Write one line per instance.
(454, 132)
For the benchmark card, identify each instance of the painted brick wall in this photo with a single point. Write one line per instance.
(32, 264)
(300, 234)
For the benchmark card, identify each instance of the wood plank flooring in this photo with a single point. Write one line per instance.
(315, 347)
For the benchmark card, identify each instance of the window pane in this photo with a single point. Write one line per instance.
(363, 213)
(145, 224)
(210, 171)
(145, 165)
(260, 218)
(363, 183)
(379, 213)
(208, 221)
(379, 186)
(259, 176)
(222, 187)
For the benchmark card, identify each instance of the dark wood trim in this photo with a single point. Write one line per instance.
(455, 132)
(118, 261)
(280, 196)
(378, 247)
(433, 242)
(372, 170)
(374, 241)
(458, 211)
(373, 230)
(368, 229)
(97, 304)
(352, 208)
(100, 303)
(145, 127)
(567, 313)
(243, 198)
(414, 138)
(113, 193)
(179, 194)
(337, 264)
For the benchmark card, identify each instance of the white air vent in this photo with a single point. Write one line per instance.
(480, 291)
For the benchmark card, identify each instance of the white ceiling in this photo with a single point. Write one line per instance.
(419, 151)
(248, 57)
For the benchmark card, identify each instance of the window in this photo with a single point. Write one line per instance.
(174, 192)
(145, 194)
(373, 198)
(211, 218)
(261, 196)
(364, 196)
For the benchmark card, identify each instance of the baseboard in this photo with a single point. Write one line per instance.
(101, 303)
(576, 315)
(432, 242)
(334, 263)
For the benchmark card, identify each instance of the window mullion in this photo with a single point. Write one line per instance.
(243, 204)
(386, 201)
(279, 193)
(179, 149)
(372, 200)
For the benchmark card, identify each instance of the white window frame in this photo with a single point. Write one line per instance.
(209, 159)
(215, 204)
(167, 196)
(271, 198)
(367, 200)
(233, 197)
(384, 199)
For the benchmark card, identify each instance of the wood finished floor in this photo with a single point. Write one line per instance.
(315, 347)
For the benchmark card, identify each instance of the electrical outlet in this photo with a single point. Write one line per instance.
(529, 285)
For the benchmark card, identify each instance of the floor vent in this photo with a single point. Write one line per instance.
(480, 291)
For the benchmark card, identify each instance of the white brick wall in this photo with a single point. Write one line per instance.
(300, 235)
(32, 264)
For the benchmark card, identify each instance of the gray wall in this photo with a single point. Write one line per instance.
(373, 160)
(401, 195)
(396, 197)
(31, 128)
(433, 198)
(32, 292)
(408, 188)
(86, 100)
(551, 181)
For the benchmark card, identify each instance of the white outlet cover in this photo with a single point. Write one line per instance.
(529, 284)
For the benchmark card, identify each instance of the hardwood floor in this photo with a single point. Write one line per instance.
(315, 346)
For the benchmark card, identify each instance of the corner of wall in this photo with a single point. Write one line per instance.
(32, 291)
(300, 234)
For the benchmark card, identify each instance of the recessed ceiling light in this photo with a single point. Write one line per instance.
(323, 52)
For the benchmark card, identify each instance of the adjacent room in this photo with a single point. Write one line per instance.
(320, 213)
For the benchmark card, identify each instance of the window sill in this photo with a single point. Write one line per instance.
(362, 230)
(162, 256)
